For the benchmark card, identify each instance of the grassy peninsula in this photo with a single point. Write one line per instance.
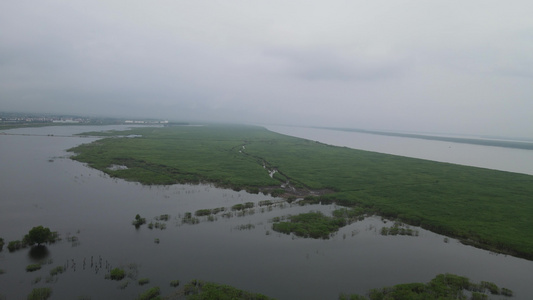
(487, 208)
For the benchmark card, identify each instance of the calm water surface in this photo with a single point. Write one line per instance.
(41, 186)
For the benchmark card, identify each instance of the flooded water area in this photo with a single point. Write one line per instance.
(93, 213)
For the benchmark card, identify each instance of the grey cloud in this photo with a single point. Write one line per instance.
(387, 65)
(314, 64)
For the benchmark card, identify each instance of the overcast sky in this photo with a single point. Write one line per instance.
(430, 66)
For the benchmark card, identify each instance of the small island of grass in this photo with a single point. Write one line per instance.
(313, 224)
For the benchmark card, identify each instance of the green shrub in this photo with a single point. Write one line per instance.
(312, 224)
(15, 245)
(39, 235)
(40, 294)
(117, 274)
(138, 221)
(1, 244)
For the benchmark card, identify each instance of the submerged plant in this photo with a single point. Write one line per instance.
(174, 283)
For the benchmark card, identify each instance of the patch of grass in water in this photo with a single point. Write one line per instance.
(149, 294)
(57, 270)
(117, 274)
(33, 267)
(240, 207)
(200, 290)
(42, 293)
(143, 281)
(443, 286)
(313, 224)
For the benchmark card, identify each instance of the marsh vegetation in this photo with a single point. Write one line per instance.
(443, 286)
(485, 208)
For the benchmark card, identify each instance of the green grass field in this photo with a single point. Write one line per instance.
(487, 208)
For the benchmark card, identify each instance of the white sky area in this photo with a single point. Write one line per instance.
(448, 66)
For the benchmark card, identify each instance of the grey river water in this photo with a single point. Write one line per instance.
(40, 185)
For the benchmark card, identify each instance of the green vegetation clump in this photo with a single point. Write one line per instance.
(243, 206)
(199, 290)
(39, 235)
(40, 294)
(138, 221)
(33, 267)
(1, 244)
(203, 212)
(443, 286)
(15, 245)
(485, 208)
(163, 217)
(312, 224)
(189, 219)
(117, 274)
(57, 270)
(152, 293)
(265, 203)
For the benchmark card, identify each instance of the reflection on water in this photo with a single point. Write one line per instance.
(94, 215)
(38, 253)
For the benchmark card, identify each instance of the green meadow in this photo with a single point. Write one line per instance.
(486, 208)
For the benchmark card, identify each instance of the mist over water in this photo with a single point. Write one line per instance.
(45, 187)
